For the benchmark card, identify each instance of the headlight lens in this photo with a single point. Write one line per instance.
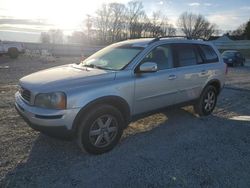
(56, 100)
(230, 59)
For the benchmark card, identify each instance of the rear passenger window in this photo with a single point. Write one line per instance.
(185, 55)
(209, 54)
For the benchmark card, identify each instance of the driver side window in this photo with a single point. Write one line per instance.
(159, 55)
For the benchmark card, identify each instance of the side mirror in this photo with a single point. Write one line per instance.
(148, 67)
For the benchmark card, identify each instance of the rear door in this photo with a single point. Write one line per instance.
(211, 66)
(189, 70)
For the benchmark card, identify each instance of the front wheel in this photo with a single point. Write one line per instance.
(207, 101)
(100, 130)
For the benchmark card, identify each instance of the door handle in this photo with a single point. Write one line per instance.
(172, 77)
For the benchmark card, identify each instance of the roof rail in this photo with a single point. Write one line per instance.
(175, 36)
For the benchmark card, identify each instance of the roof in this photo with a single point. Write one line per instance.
(144, 42)
(230, 51)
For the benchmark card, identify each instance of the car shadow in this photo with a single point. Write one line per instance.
(179, 140)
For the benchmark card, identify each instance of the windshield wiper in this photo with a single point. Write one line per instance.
(96, 66)
(89, 65)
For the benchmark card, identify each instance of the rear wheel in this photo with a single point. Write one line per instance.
(207, 101)
(100, 130)
(13, 53)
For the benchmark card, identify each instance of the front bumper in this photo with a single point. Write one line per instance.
(57, 123)
(229, 62)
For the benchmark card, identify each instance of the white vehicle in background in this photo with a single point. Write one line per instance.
(12, 49)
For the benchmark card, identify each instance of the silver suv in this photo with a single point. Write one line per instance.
(95, 100)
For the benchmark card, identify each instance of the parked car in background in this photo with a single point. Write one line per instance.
(12, 49)
(233, 58)
(95, 100)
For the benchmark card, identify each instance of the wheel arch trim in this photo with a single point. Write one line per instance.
(214, 82)
(116, 101)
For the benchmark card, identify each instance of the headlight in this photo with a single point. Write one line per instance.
(230, 59)
(56, 100)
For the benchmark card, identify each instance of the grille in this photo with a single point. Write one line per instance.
(25, 94)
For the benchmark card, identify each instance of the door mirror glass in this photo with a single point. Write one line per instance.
(148, 67)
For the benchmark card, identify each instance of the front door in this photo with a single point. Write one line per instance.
(157, 89)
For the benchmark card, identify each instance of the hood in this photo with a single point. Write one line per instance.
(227, 57)
(64, 76)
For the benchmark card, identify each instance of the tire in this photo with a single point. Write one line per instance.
(242, 63)
(203, 108)
(106, 124)
(13, 53)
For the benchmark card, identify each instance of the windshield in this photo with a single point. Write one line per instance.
(228, 54)
(112, 57)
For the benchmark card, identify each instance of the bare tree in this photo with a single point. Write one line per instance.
(45, 37)
(117, 22)
(160, 25)
(89, 26)
(136, 17)
(247, 30)
(102, 22)
(239, 31)
(77, 37)
(156, 23)
(196, 26)
(169, 30)
(56, 36)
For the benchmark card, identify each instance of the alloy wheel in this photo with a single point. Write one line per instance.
(209, 101)
(103, 131)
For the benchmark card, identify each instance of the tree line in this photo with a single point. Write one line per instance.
(242, 32)
(114, 22)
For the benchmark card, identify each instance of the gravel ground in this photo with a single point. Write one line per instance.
(173, 148)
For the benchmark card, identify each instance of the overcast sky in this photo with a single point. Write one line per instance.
(34, 16)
